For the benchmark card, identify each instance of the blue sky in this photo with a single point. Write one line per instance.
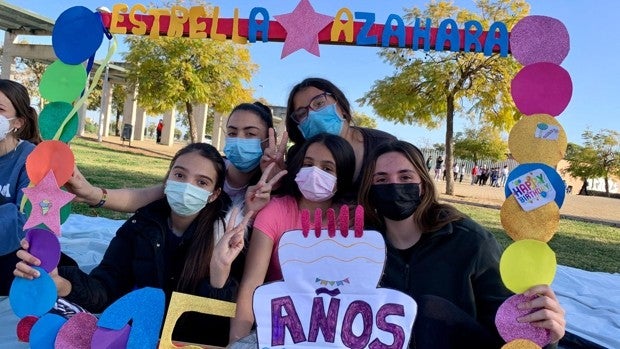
(591, 62)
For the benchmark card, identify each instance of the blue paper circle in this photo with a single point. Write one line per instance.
(77, 34)
(33, 297)
(556, 181)
(44, 331)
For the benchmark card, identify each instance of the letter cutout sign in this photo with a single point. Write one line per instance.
(329, 296)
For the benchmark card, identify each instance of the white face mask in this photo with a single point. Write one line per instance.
(5, 126)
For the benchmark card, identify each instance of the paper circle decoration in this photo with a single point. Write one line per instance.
(77, 332)
(105, 338)
(24, 326)
(32, 297)
(62, 82)
(45, 246)
(552, 175)
(542, 88)
(539, 224)
(50, 155)
(537, 39)
(527, 263)
(521, 344)
(44, 331)
(51, 118)
(538, 138)
(510, 328)
(77, 34)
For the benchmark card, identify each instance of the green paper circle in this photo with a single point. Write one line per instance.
(527, 263)
(52, 116)
(62, 82)
(65, 211)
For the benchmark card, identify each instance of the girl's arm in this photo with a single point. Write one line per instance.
(257, 262)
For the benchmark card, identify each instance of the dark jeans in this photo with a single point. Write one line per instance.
(7, 265)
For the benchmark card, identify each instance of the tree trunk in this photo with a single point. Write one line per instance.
(607, 186)
(191, 122)
(117, 132)
(449, 151)
(584, 188)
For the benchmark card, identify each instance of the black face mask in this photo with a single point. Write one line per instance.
(395, 201)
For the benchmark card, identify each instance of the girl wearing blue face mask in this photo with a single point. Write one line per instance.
(448, 263)
(182, 243)
(316, 106)
(317, 177)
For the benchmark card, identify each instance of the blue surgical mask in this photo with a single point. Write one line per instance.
(243, 153)
(186, 199)
(325, 120)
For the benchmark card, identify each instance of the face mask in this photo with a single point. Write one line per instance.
(395, 201)
(315, 184)
(185, 199)
(243, 153)
(5, 126)
(325, 120)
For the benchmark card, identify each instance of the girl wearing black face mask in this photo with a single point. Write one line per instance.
(448, 263)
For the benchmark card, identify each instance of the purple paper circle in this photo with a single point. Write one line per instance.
(105, 338)
(542, 88)
(77, 333)
(45, 246)
(510, 328)
(536, 39)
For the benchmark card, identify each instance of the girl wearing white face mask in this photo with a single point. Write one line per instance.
(182, 242)
(317, 175)
(18, 136)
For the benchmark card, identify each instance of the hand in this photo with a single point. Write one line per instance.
(547, 311)
(228, 248)
(82, 189)
(25, 270)
(274, 153)
(258, 195)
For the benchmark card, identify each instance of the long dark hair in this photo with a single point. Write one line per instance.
(430, 215)
(344, 157)
(18, 95)
(294, 134)
(259, 109)
(198, 257)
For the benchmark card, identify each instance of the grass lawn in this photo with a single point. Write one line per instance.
(588, 246)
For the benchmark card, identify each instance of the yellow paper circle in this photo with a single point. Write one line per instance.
(532, 140)
(527, 263)
(520, 344)
(538, 224)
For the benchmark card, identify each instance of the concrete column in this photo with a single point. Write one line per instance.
(129, 111)
(200, 115)
(106, 109)
(219, 136)
(81, 119)
(138, 132)
(167, 134)
(7, 57)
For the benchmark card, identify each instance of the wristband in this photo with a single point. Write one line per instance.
(103, 199)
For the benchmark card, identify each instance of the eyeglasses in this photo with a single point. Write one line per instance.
(316, 103)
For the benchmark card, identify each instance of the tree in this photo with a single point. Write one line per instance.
(429, 88)
(364, 120)
(481, 143)
(178, 72)
(599, 157)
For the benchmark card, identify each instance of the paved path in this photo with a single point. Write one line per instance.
(588, 208)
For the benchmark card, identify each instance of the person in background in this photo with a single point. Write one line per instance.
(446, 261)
(438, 165)
(319, 174)
(181, 243)
(475, 172)
(19, 134)
(159, 129)
(429, 163)
(462, 172)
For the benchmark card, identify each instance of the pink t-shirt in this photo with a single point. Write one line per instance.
(280, 215)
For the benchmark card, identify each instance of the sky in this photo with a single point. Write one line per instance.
(591, 62)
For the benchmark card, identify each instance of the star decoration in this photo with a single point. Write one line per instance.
(302, 28)
(47, 199)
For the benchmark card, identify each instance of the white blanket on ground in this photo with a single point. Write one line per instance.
(591, 300)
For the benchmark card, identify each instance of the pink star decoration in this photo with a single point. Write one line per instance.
(47, 199)
(302, 28)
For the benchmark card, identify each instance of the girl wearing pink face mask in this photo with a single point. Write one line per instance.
(317, 175)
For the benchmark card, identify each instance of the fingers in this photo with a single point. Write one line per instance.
(277, 177)
(283, 142)
(547, 312)
(28, 258)
(272, 138)
(24, 270)
(233, 218)
(266, 173)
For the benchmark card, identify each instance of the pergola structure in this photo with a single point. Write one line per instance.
(15, 21)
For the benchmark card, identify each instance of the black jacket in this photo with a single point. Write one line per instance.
(136, 258)
(459, 263)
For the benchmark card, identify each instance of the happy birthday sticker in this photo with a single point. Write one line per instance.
(532, 189)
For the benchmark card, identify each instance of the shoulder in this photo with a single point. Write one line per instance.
(278, 203)
(375, 136)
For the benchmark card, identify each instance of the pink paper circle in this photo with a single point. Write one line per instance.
(542, 88)
(45, 246)
(510, 328)
(536, 39)
(77, 332)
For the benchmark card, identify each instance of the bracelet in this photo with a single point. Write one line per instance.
(103, 199)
